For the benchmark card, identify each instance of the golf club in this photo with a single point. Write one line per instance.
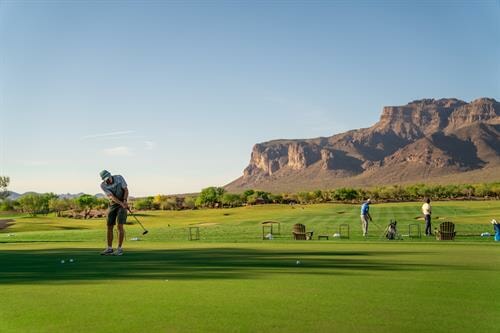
(145, 231)
(375, 224)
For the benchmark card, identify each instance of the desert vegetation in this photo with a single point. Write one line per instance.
(89, 206)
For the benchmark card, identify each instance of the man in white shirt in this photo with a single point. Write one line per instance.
(426, 210)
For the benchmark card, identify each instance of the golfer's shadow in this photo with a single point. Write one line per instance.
(45, 266)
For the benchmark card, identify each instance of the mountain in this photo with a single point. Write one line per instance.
(13, 195)
(428, 140)
(70, 196)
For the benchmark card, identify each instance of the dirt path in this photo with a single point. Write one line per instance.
(205, 224)
(5, 223)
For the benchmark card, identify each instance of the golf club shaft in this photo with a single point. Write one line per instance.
(136, 219)
(376, 225)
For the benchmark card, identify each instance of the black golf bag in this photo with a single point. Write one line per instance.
(391, 232)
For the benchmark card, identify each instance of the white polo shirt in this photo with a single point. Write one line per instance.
(426, 209)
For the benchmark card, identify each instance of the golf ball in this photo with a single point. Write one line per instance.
(62, 261)
(71, 260)
(298, 262)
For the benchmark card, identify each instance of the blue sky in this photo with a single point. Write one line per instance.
(173, 95)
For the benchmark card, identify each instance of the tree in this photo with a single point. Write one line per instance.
(158, 201)
(265, 197)
(276, 198)
(252, 199)
(189, 203)
(483, 190)
(399, 193)
(210, 197)
(59, 205)
(426, 192)
(317, 196)
(467, 190)
(220, 192)
(170, 204)
(86, 202)
(386, 193)
(246, 194)
(345, 194)
(290, 198)
(164, 202)
(7, 205)
(231, 200)
(144, 203)
(4, 183)
(102, 203)
(451, 191)
(257, 197)
(495, 190)
(304, 197)
(415, 191)
(34, 203)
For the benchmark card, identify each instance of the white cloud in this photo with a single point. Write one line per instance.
(118, 151)
(149, 145)
(106, 135)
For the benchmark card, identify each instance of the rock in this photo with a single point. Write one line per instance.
(413, 142)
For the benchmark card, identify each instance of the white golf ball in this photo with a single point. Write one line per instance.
(62, 261)
(71, 260)
(298, 262)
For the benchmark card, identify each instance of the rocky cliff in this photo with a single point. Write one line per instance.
(420, 141)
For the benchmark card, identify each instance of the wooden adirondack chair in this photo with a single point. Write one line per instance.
(446, 231)
(299, 232)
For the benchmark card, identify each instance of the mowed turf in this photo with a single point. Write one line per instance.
(207, 287)
(244, 224)
(232, 281)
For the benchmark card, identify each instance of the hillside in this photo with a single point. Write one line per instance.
(428, 140)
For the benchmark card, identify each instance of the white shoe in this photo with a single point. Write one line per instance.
(119, 252)
(107, 252)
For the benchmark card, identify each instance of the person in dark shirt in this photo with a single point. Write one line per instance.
(115, 187)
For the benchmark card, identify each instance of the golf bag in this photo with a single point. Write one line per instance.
(496, 226)
(391, 230)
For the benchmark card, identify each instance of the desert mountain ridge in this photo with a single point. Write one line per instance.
(14, 195)
(429, 140)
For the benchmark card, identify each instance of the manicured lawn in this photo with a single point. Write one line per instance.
(207, 287)
(233, 281)
(244, 224)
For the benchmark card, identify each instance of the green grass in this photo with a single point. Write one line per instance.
(244, 224)
(200, 287)
(232, 281)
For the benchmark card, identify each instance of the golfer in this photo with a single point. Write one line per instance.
(365, 216)
(115, 188)
(426, 210)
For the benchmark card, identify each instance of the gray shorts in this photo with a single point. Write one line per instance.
(116, 212)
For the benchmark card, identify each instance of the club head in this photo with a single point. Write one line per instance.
(145, 232)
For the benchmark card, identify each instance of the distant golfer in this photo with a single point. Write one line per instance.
(365, 216)
(426, 210)
(115, 188)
